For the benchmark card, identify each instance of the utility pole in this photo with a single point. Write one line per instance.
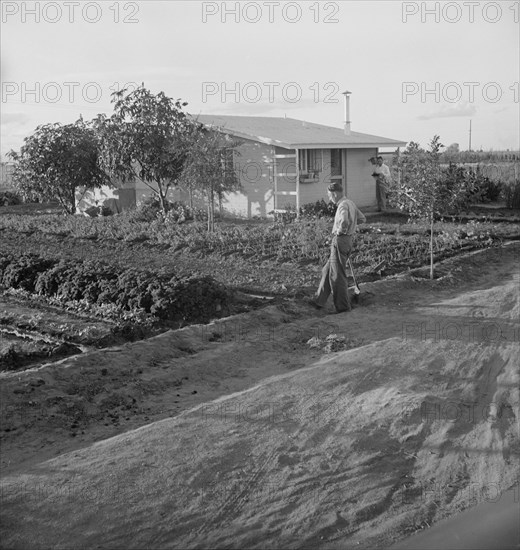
(470, 135)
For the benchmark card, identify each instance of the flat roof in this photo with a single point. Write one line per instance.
(291, 133)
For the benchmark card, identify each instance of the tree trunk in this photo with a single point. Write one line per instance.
(162, 199)
(211, 224)
(191, 198)
(209, 214)
(212, 210)
(73, 200)
(63, 202)
(431, 247)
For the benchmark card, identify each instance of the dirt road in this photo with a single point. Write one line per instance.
(246, 435)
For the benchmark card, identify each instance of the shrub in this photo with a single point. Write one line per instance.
(22, 272)
(194, 299)
(457, 181)
(179, 212)
(148, 210)
(511, 194)
(49, 281)
(491, 190)
(319, 209)
(483, 188)
(176, 212)
(310, 211)
(9, 198)
(95, 211)
(287, 215)
(92, 211)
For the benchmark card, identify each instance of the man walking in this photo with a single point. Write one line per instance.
(334, 274)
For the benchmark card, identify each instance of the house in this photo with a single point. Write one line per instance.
(284, 161)
(6, 176)
(280, 162)
(122, 196)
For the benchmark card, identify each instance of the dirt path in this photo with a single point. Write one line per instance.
(349, 449)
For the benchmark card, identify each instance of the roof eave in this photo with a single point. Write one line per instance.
(359, 145)
(310, 145)
(260, 139)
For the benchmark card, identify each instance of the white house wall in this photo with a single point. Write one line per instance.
(361, 186)
(120, 193)
(255, 167)
(96, 197)
(285, 170)
(257, 170)
(256, 197)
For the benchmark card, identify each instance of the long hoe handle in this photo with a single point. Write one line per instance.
(356, 287)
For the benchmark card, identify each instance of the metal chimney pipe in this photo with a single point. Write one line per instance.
(347, 112)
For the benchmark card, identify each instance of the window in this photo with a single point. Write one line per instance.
(310, 160)
(336, 165)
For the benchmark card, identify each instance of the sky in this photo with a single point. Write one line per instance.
(414, 69)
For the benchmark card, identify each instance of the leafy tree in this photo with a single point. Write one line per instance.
(424, 189)
(209, 167)
(452, 153)
(57, 160)
(147, 138)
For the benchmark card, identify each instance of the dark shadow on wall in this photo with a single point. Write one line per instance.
(254, 170)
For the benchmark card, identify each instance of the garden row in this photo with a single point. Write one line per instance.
(301, 240)
(186, 300)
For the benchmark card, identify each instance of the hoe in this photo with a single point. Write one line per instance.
(377, 269)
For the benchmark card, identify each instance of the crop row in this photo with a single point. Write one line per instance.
(194, 299)
(308, 241)
(301, 240)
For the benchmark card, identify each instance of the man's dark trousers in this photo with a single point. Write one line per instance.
(334, 275)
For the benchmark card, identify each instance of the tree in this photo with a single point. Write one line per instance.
(147, 138)
(209, 167)
(57, 160)
(424, 189)
(452, 153)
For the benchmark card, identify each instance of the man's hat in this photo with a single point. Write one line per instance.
(336, 186)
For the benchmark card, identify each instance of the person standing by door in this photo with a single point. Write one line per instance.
(383, 179)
